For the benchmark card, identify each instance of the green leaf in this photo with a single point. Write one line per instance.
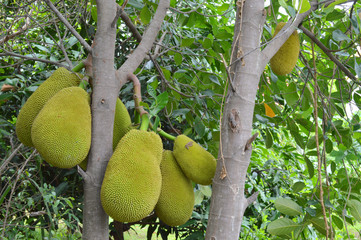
(319, 225)
(198, 197)
(145, 15)
(298, 186)
(290, 94)
(206, 190)
(311, 169)
(282, 226)
(199, 127)
(334, 15)
(328, 145)
(288, 207)
(186, 42)
(178, 58)
(304, 6)
(338, 35)
(355, 209)
(298, 138)
(269, 139)
(161, 102)
(338, 222)
(207, 43)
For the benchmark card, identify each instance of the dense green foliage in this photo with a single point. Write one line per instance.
(183, 93)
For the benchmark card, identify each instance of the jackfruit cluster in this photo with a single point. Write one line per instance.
(196, 162)
(60, 79)
(176, 200)
(132, 181)
(285, 59)
(61, 132)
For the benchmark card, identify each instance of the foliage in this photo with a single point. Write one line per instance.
(185, 94)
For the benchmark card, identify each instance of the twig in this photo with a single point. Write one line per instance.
(328, 53)
(13, 189)
(137, 96)
(319, 168)
(12, 155)
(7, 53)
(129, 24)
(68, 25)
(22, 29)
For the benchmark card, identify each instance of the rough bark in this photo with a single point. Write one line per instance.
(228, 202)
(105, 92)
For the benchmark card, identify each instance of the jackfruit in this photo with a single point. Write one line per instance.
(197, 164)
(176, 200)
(122, 122)
(285, 59)
(60, 79)
(62, 130)
(132, 181)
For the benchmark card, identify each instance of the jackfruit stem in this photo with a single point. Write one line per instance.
(145, 122)
(78, 67)
(166, 135)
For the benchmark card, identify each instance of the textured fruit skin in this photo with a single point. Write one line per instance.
(60, 79)
(62, 130)
(122, 122)
(285, 59)
(132, 181)
(176, 200)
(197, 164)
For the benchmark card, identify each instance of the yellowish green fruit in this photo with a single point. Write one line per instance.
(197, 164)
(122, 122)
(285, 59)
(60, 79)
(132, 181)
(176, 200)
(62, 130)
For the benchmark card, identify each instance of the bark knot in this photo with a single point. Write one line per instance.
(234, 120)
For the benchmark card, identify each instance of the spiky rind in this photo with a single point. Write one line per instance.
(132, 181)
(285, 59)
(176, 200)
(62, 130)
(197, 164)
(60, 79)
(122, 122)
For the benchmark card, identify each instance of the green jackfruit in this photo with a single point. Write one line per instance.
(62, 130)
(122, 122)
(197, 164)
(60, 79)
(132, 181)
(176, 200)
(285, 59)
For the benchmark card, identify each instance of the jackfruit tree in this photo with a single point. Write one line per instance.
(257, 100)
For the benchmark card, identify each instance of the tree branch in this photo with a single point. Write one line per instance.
(68, 25)
(22, 29)
(145, 45)
(252, 198)
(329, 54)
(7, 53)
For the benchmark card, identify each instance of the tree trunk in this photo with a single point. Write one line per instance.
(105, 92)
(228, 202)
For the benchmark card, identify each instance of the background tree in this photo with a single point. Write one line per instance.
(305, 119)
